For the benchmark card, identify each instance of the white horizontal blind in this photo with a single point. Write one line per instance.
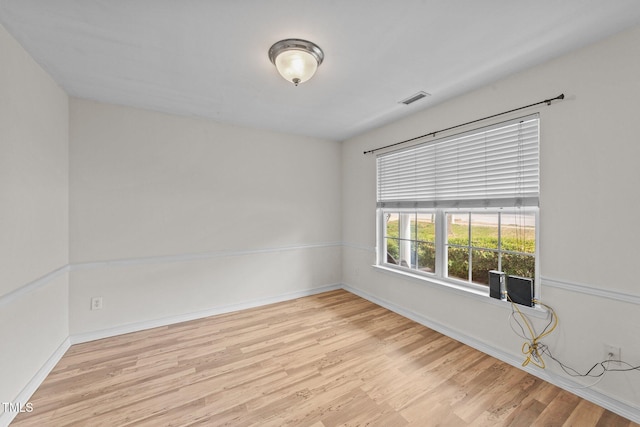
(493, 166)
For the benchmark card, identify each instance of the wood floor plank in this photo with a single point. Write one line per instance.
(586, 414)
(332, 359)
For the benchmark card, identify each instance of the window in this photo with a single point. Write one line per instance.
(458, 207)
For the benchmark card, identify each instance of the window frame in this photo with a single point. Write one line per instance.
(440, 274)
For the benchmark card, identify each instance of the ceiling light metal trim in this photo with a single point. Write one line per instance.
(287, 45)
(296, 44)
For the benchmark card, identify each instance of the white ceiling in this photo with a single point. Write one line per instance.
(209, 58)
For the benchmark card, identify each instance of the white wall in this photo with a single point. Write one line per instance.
(589, 200)
(197, 214)
(34, 242)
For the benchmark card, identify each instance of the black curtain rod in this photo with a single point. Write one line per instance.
(546, 101)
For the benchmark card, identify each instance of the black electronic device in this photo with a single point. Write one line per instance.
(520, 290)
(496, 284)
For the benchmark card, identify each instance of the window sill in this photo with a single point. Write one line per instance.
(480, 295)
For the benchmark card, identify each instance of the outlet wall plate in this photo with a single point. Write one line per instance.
(615, 351)
(96, 303)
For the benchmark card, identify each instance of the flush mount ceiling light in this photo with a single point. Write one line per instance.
(296, 60)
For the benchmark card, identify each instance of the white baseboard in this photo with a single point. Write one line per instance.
(621, 408)
(155, 323)
(31, 387)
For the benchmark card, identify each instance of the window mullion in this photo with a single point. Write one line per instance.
(499, 241)
(381, 243)
(470, 272)
(414, 252)
(441, 243)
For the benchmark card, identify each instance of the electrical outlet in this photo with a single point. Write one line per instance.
(612, 352)
(96, 303)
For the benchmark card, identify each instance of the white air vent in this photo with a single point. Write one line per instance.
(413, 98)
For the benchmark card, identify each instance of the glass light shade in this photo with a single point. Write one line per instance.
(296, 66)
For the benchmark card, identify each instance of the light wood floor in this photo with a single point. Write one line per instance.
(326, 360)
